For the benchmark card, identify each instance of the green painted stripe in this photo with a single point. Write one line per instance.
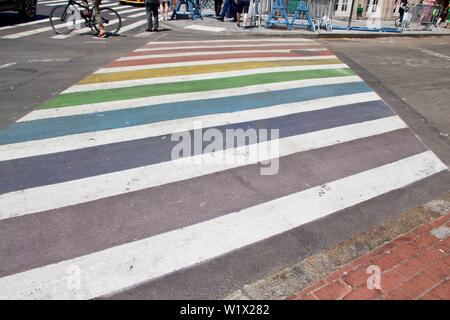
(80, 98)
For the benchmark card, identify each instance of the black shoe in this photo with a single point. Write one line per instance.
(220, 19)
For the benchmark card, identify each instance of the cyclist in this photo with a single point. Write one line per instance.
(98, 17)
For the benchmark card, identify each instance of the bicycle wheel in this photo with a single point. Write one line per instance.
(64, 19)
(111, 21)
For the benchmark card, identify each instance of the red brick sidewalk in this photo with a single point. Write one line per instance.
(413, 266)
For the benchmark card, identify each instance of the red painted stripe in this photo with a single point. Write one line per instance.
(194, 44)
(150, 61)
(237, 48)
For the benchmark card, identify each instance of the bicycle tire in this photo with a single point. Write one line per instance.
(67, 15)
(110, 17)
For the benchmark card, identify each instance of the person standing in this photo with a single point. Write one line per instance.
(164, 8)
(217, 7)
(228, 7)
(359, 11)
(402, 6)
(242, 7)
(448, 16)
(151, 8)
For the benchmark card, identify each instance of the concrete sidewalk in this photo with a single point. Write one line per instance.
(210, 25)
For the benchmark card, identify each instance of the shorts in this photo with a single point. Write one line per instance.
(243, 6)
(164, 1)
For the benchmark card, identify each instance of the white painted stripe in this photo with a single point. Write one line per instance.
(137, 15)
(275, 40)
(117, 5)
(129, 10)
(47, 20)
(130, 264)
(204, 28)
(33, 200)
(240, 45)
(190, 96)
(56, 3)
(53, 1)
(207, 62)
(93, 139)
(191, 77)
(84, 30)
(435, 54)
(39, 30)
(133, 26)
(206, 53)
(6, 65)
(103, 4)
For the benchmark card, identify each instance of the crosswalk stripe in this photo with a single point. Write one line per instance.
(242, 47)
(133, 26)
(262, 43)
(80, 98)
(52, 1)
(148, 101)
(129, 10)
(47, 20)
(205, 28)
(207, 62)
(200, 69)
(39, 30)
(82, 30)
(64, 2)
(43, 129)
(195, 42)
(92, 139)
(202, 76)
(207, 53)
(21, 174)
(130, 264)
(48, 197)
(145, 213)
(140, 14)
(136, 61)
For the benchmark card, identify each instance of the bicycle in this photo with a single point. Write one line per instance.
(70, 15)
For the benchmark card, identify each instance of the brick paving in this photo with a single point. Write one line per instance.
(415, 265)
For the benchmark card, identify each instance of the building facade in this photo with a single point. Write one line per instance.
(384, 9)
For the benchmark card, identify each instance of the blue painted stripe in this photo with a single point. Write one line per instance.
(53, 168)
(54, 127)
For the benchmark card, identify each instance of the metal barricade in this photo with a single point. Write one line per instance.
(322, 12)
(421, 17)
(311, 14)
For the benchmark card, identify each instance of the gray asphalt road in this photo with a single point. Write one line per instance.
(413, 76)
(410, 74)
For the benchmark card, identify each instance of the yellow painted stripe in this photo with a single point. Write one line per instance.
(179, 71)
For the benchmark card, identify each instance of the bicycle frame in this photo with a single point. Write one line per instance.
(73, 3)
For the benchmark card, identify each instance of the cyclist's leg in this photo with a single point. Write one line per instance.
(98, 17)
(84, 12)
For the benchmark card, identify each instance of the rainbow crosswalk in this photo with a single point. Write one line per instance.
(89, 179)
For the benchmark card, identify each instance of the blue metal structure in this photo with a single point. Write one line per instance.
(192, 10)
(302, 12)
(273, 18)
